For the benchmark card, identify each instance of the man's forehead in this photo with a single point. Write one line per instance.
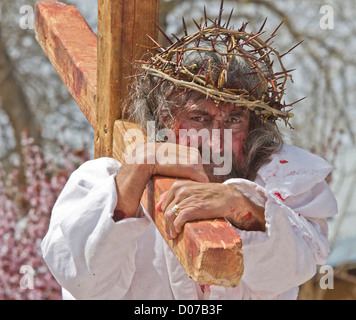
(209, 106)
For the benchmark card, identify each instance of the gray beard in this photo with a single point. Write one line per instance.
(236, 171)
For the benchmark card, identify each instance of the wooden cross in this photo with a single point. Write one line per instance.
(96, 71)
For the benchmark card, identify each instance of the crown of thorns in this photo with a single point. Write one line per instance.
(168, 65)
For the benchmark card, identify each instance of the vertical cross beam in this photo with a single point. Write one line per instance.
(122, 25)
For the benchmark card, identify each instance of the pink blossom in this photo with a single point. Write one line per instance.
(25, 207)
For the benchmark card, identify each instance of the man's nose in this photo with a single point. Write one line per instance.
(217, 137)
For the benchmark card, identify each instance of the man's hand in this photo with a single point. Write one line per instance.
(199, 201)
(172, 160)
(164, 159)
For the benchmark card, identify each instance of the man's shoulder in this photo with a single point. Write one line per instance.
(294, 170)
(97, 169)
(299, 157)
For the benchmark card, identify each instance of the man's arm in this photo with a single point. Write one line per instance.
(89, 254)
(132, 179)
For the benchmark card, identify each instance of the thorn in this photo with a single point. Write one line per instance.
(205, 17)
(156, 86)
(257, 86)
(284, 72)
(164, 34)
(252, 38)
(298, 101)
(243, 27)
(293, 103)
(155, 42)
(263, 25)
(260, 59)
(220, 12)
(274, 32)
(292, 48)
(198, 25)
(230, 16)
(257, 49)
(184, 27)
(179, 40)
(183, 93)
(213, 44)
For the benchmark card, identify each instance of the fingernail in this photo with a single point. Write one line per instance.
(162, 195)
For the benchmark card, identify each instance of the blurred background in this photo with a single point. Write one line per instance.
(44, 136)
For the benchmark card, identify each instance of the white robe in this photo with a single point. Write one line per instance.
(92, 257)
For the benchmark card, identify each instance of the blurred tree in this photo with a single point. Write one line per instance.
(14, 102)
(32, 96)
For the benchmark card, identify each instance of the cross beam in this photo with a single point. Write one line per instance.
(95, 70)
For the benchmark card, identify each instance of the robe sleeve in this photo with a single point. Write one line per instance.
(90, 255)
(295, 240)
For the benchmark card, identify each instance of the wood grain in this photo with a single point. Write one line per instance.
(71, 46)
(122, 37)
(209, 250)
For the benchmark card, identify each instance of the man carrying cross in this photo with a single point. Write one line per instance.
(211, 95)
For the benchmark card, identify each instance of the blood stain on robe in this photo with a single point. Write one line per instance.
(279, 196)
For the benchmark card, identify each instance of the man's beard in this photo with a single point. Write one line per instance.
(237, 171)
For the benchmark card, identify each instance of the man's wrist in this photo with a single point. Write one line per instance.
(130, 181)
(248, 216)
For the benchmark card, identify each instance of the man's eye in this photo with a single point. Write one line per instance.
(198, 119)
(235, 120)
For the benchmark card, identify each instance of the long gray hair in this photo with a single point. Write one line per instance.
(153, 99)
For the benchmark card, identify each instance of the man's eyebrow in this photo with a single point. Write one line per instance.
(198, 111)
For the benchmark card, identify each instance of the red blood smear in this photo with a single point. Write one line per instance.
(277, 194)
(247, 216)
(204, 287)
(283, 161)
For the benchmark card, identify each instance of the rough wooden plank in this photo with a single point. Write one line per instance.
(71, 46)
(127, 134)
(210, 250)
(122, 34)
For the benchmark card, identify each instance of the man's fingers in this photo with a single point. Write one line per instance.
(181, 220)
(169, 217)
(186, 215)
(160, 201)
(179, 161)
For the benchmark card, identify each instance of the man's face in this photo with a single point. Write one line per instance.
(201, 113)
